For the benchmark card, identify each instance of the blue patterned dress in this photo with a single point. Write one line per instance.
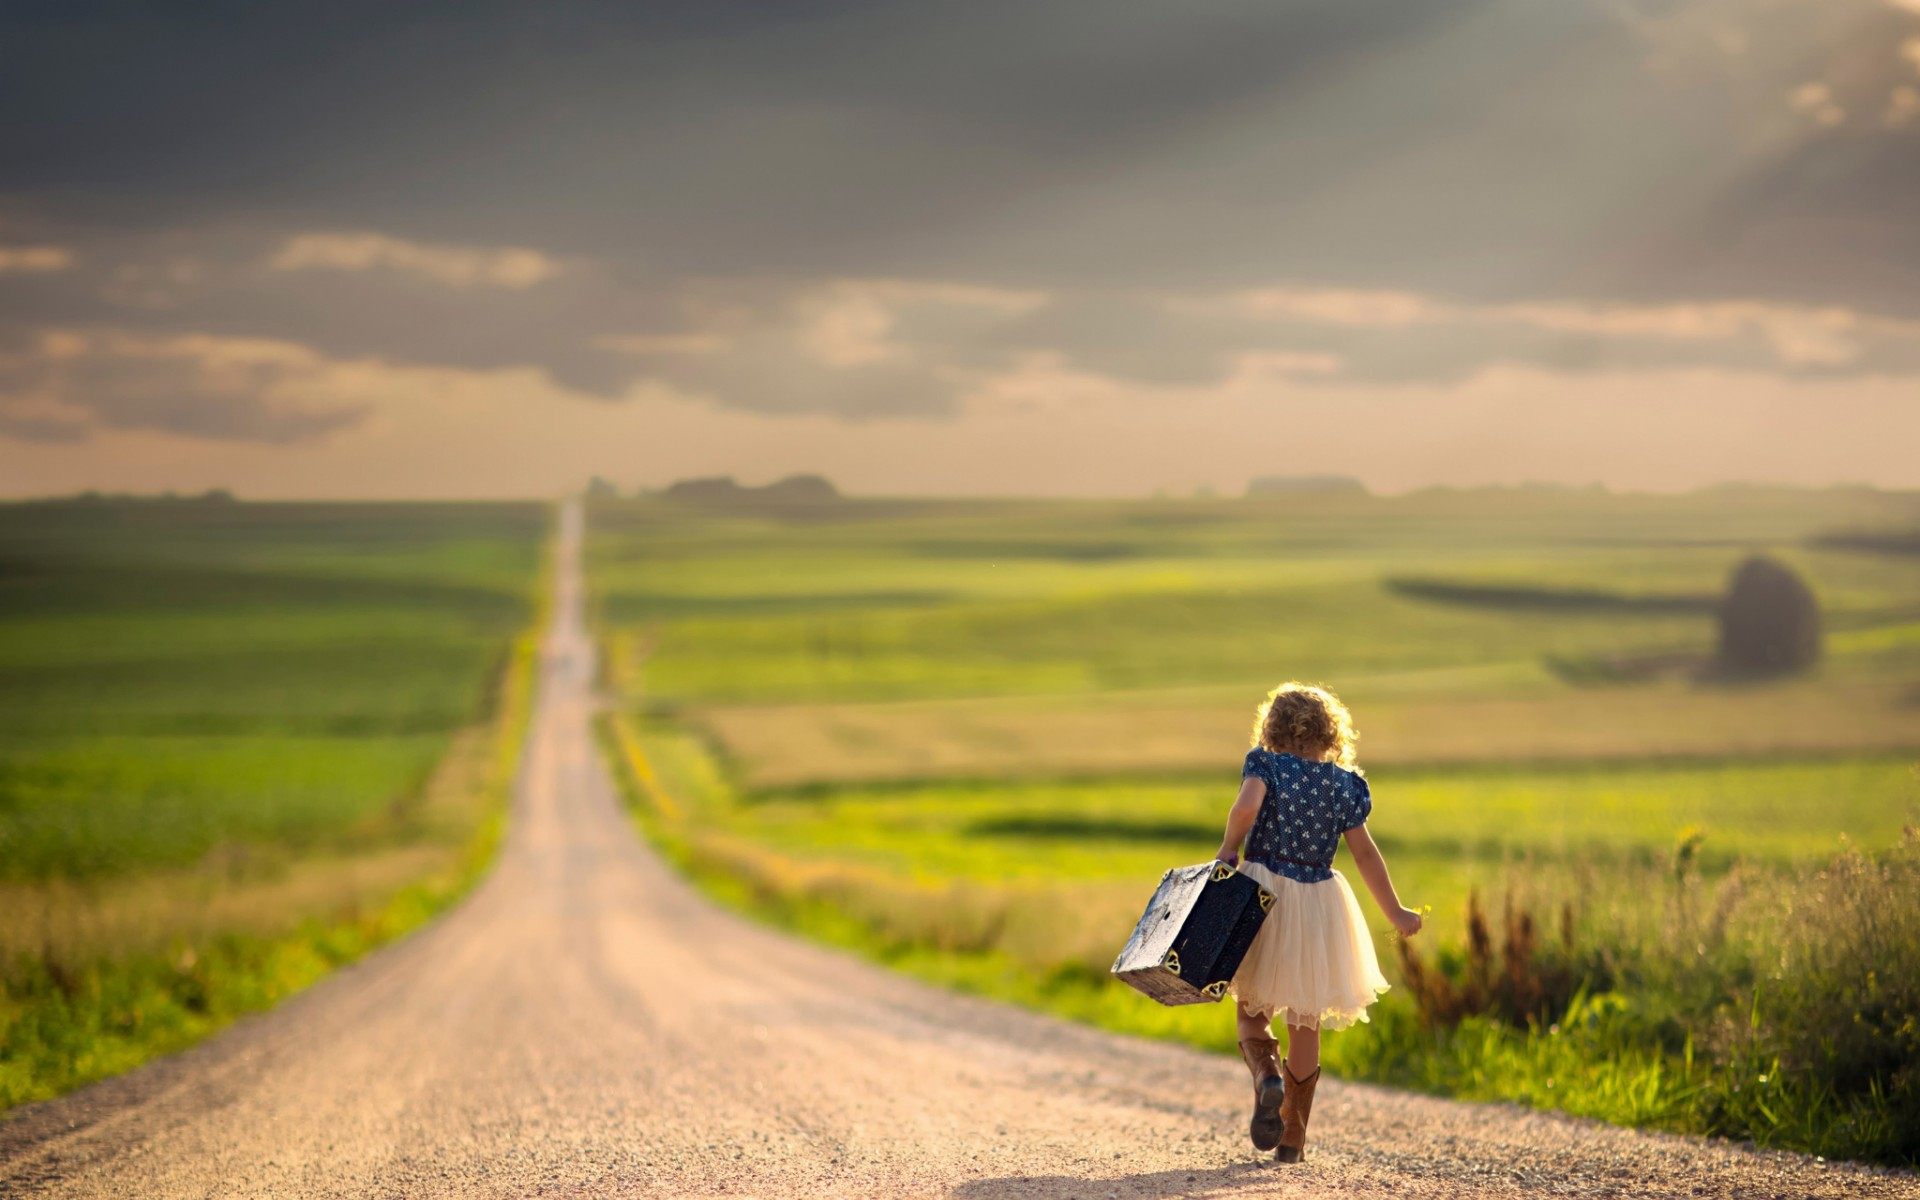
(1308, 806)
(1312, 963)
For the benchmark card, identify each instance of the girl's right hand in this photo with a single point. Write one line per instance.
(1407, 921)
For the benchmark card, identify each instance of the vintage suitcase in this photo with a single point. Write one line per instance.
(1196, 930)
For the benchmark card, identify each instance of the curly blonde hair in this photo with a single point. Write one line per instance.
(1308, 722)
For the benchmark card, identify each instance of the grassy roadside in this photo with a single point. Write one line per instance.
(99, 974)
(1774, 1055)
(65, 1025)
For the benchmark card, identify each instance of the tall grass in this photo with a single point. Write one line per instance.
(1830, 1039)
(1780, 1009)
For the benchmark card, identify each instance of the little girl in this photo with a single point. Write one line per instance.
(1312, 967)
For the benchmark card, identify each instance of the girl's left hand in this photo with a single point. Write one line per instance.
(1228, 857)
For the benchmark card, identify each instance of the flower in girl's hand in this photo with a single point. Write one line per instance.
(1408, 921)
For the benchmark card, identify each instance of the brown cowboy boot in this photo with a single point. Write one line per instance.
(1262, 1056)
(1293, 1113)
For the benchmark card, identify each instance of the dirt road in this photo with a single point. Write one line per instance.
(586, 1026)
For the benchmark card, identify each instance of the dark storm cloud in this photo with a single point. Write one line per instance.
(1502, 148)
(869, 208)
(757, 135)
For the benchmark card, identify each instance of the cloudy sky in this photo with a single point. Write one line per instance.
(1002, 246)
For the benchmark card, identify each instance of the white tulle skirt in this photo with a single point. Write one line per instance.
(1313, 962)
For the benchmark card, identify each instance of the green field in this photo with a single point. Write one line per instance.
(238, 743)
(969, 737)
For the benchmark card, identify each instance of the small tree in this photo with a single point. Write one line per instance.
(1769, 621)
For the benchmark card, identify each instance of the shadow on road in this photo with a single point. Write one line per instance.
(1185, 1182)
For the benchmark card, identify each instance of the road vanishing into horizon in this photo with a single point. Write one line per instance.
(586, 1025)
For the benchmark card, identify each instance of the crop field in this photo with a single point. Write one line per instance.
(238, 742)
(968, 737)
